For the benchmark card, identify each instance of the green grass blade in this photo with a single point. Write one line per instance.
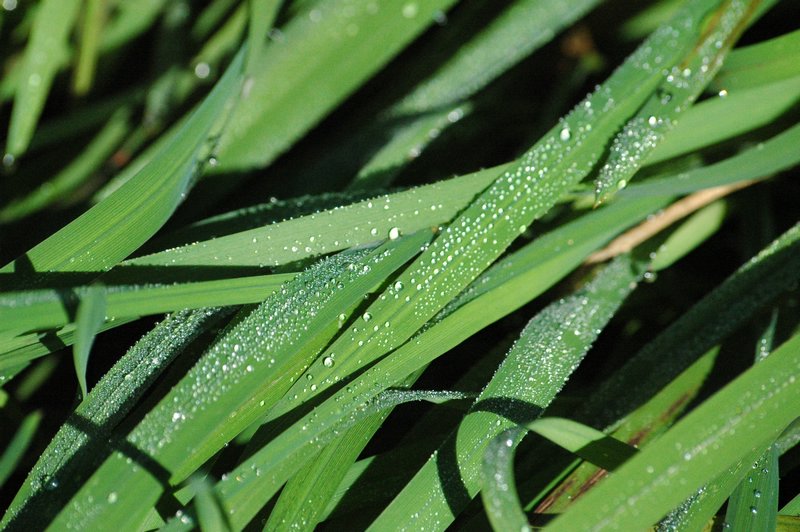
(209, 513)
(754, 408)
(792, 507)
(132, 19)
(765, 62)
(139, 208)
(438, 102)
(639, 428)
(18, 445)
(737, 112)
(550, 347)
(318, 50)
(74, 450)
(90, 316)
(43, 56)
(75, 174)
(244, 372)
(716, 27)
(262, 16)
(43, 309)
(754, 503)
(499, 493)
(91, 26)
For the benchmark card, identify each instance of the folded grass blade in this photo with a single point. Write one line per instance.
(499, 491)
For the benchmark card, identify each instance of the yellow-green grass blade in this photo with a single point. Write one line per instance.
(438, 101)
(715, 27)
(751, 410)
(89, 317)
(321, 59)
(43, 55)
(764, 62)
(73, 175)
(44, 309)
(111, 230)
(78, 445)
(131, 19)
(262, 15)
(506, 287)
(91, 26)
(243, 372)
(209, 513)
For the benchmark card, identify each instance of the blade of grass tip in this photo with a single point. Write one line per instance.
(211, 17)
(262, 16)
(717, 27)
(19, 444)
(792, 508)
(74, 450)
(76, 173)
(209, 513)
(755, 284)
(637, 429)
(91, 26)
(43, 309)
(43, 55)
(439, 101)
(764, 62)
(499, 491)
(140, 207)
(508, 285)
(34, 379)
(130, 20)
(550, 347)
(245, 371)
(500, 214)
(751, 410)
(89, 317)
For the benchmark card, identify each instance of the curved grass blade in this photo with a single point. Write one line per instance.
(75, 174)
(209, 513)
(499, 491)
(507, 286)
(283, 95)
(550, 347)
(765, 62)
(139, 208)
(132, 18)
(261, 17)
(78, 444)
(242, 374)
(18, 445)
(52, 24)
(715, 28)
(90, 316)
(754, 408)
(43, 309)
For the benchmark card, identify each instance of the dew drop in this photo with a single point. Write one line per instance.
(394, 233)
(202, 70)
(367, 316)
(112, 497)
(410, 10)
(565, 134)
(327, 362)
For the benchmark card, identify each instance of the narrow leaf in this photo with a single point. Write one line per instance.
(90, 316)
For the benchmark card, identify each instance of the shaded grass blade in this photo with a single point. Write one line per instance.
(499, 491)
(18, 445)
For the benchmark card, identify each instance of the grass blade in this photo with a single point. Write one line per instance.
(716, 27)
(90, 316)
(18, 445)
(550, 347)
(43, 56)
(81, 442)
(768, 392)
(91, 25)
(760, 63)
(499, 493)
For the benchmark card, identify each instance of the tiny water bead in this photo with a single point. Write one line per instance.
(328, 362)
(394, 233)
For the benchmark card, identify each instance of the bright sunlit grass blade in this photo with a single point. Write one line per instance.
(751, 410)
(712, 28)
(44, 54)
(74, 450)
(89, 317)
(550, 347)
